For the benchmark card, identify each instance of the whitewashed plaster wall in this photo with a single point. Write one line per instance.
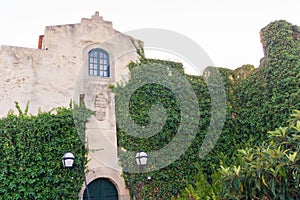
(43, 78)
(47, 78)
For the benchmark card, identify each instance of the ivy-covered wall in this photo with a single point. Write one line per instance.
(31, 150)
(258, 100)
(267, 97)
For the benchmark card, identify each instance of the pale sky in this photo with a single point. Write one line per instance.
(228, 30)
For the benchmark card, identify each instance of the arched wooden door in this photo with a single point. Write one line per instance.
(101, 189)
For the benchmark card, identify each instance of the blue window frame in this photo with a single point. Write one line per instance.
(99, 63)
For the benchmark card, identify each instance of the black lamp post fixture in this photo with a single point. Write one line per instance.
(68, 161)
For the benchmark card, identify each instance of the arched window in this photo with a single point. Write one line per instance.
(99, 63)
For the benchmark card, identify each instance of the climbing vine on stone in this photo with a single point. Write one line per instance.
(258, 100)
(31, 149)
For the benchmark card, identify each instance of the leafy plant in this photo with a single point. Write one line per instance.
(205, 187)
(31, 148)
(270, 170)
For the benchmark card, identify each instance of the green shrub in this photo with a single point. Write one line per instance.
(268, 171)
(205, 187)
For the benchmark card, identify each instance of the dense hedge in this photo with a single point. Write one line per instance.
(31, 149)
(258, 100)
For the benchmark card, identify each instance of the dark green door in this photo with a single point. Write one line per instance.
(101, 189)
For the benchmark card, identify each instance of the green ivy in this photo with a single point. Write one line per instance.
(258, 99)
(267, 97)
(31, 149)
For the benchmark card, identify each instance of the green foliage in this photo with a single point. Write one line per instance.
(268, 171)
(172, 179)
(258, 100)
(31, 148)
(201, 189)
(266, 98)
